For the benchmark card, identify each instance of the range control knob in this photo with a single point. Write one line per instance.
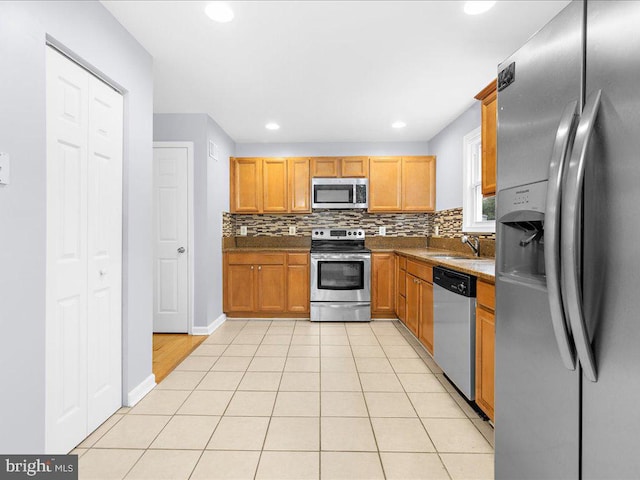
(462, 287)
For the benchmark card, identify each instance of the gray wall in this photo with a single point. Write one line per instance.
(211, 198)
(447, 147)
(88, 30)
(331, 149)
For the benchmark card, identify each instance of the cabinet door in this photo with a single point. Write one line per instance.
(425, 329)
(299, 185)
(488, 97)
(246, 185)
(326, 167)
(298, 283)
(413, 304)
(240, 288)
(354, 167)
(382, 284)
(274, 186)
(385, 184)
(485, 360)
(418, 184)
(271, 288)
(489, 141)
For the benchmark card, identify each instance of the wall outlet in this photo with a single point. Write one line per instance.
(292, 230)
(243, 231)
(382, 231)
(437, 231)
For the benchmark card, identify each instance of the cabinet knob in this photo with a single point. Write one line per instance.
(251, 267)
(260, 267)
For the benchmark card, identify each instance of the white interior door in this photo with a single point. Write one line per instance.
(171, 265)
(104, 242)
(66, 285)
(84, 238)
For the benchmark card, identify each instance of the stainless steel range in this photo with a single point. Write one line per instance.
(340, 276)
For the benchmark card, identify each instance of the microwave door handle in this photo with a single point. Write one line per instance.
(572, 236)
(561, 147)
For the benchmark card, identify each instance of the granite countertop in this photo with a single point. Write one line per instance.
(267, 249)
(481, 267)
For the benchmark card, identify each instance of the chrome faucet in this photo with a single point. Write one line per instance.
(473, 242)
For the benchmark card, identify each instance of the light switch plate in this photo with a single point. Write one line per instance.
(213, 150)
(382, 231)
(243, 231)
(292, 230)
(5, 169)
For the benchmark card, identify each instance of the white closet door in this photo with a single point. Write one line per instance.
(66, 278)
(104, 173)
(84, 253)
(171, 270)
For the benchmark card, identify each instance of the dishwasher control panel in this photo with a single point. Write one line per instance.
(455, 282)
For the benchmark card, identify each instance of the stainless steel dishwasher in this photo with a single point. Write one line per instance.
(454, 327)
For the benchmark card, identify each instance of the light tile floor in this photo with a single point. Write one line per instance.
(293, 399)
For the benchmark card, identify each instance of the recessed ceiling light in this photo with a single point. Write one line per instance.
(272, 126)
(219, 12)
(398, 124)
(476, 7)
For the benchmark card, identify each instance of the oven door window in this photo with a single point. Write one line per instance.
(333, 194)
(337, 275)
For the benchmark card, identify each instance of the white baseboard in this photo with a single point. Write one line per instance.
(139, 392)
(212, 327)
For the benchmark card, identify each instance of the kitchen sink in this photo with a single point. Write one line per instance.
(450, 257)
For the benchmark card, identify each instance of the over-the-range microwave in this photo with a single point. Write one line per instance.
(340, 193)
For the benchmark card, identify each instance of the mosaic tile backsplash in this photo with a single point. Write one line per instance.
(397, 224)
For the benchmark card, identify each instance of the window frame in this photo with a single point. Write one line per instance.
(472, 185)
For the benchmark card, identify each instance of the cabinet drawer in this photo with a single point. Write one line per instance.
(420, 270)
(486, 295)
(298, 259)
(256, 258)
(402, 262)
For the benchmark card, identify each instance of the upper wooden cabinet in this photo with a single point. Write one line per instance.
(246, 185)
(299, 185)
(275, 185)
(270, 185)
(340, 167)
(402, 184)
(489, 98)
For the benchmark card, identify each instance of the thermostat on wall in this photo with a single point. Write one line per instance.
(5, 169)
(213, 150)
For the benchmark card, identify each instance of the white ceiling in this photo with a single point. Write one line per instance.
(327, 71)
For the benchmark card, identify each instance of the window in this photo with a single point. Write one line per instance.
(478, 213)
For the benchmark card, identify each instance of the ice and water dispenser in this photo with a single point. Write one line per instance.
(521, 232)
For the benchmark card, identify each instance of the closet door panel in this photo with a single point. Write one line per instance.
(66, 292)
(104, 240)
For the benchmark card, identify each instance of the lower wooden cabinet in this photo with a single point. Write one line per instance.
(401, 287)
(266, 284)
(414, 298)
(485, 347)
(382, 284)
(425, 319)
(298, 283)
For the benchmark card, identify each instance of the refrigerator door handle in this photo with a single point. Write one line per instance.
(571, 236)
(561, 148)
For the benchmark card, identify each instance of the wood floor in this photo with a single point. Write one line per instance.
(169, 349)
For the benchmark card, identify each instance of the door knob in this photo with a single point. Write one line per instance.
(181, 250)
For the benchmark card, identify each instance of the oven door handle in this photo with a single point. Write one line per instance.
(350, 305)
(344, 257)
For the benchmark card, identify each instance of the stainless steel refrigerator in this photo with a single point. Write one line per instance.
(568, 249)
